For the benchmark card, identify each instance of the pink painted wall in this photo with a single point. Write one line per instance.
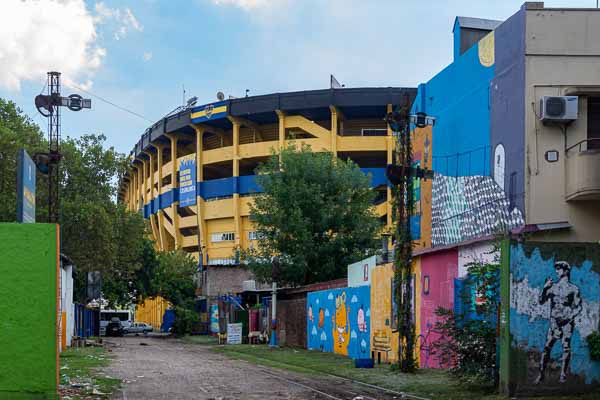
(441, 268)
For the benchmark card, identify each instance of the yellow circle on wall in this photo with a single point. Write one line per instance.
(486, 50)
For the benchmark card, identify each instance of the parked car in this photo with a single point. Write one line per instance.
(138, 327)
(114, 328)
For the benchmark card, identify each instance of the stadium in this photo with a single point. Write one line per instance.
(192, 172)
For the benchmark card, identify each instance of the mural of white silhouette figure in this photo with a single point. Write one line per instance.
(565, 306)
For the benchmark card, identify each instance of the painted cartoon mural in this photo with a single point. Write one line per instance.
(339, 321)
(554, 306)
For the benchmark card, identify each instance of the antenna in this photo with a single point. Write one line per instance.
(183, 98)
(220, 96)
(247, 91)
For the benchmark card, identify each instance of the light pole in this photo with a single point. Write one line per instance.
(401, 175)
(275, 276)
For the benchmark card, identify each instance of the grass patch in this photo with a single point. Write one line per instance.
(201, 339)
(80, 377)
(433, 384)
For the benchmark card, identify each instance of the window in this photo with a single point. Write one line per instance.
(222, 237)
(593, 121)
(254, 235)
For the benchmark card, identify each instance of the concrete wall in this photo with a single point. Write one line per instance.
(67, 326)
(291, 321)
(28, 306)
(562, 52)
(225, 279)
(548, 316)
(339, 321)
(507, 114)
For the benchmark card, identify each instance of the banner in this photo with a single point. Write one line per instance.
(187, 181)
(25, 188)
(359, 273)
(234, 333)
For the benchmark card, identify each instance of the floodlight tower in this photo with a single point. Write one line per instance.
(49, 106)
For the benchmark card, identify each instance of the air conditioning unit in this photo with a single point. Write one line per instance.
(249, 286)
(558, 108)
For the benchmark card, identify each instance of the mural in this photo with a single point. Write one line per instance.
(469, 207)
(554, 306)
(339, 321)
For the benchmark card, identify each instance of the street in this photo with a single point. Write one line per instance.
(153, 368)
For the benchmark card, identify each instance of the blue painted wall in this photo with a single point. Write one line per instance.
(508, 103)
(351, 308)
(458, 97)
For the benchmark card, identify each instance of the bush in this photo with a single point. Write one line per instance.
(594, 345)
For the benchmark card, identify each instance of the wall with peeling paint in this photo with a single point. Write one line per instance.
(554, 304)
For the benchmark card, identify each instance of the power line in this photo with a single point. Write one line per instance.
(110, 102)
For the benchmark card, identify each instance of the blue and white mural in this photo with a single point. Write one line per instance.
(554, 306)
(339, 321)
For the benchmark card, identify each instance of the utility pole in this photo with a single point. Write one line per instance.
(275, 277)
(401, 175)
(49, 106)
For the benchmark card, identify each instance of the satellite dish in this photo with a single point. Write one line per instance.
(220, 96)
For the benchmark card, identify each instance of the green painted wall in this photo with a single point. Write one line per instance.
(28, 309)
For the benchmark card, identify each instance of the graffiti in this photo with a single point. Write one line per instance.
(341, 325)
(343, 322)
(554, 306)
(565, 304)
(469, 207)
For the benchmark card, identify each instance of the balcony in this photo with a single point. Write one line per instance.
(583, 171)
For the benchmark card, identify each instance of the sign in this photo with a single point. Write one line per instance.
(187, 181)
(234, 333)
(25, 188)
(209, 112)
(359, 273)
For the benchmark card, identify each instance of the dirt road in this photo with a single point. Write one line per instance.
(173, 369)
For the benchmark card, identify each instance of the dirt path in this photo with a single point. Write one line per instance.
(173, 369)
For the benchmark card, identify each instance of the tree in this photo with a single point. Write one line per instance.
(316, 213)
(174, 280)
(18, 131)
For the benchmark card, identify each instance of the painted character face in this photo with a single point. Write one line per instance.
(362, 324)
(310, 314)
(321, 317)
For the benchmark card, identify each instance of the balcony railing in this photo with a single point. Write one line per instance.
(583, 170)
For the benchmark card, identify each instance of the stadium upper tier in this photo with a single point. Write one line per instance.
(217, 147)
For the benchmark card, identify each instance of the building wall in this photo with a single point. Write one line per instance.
(560, 54)
(508, 108)
(551, 315)
(440, 269)
(28, 306)
(225, 280)
(66, 306)
(383, 329)
(339, 321)
(291, 321)
(152, 311)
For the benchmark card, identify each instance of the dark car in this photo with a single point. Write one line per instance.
(114, 328)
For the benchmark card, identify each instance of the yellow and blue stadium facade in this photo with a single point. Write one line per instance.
(192, 173)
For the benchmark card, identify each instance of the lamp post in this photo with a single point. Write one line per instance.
(275, 276)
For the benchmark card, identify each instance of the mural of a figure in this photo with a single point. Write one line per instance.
(565, 306)
(341, 325)
(311, 317)
(361, 322)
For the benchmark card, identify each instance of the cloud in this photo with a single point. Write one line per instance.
(330, 297)
(122, 21)
(245, 4)
(314, 331)
(353, 335)
(147, 56)
(354, 299)
(327, 312)
(36, 37)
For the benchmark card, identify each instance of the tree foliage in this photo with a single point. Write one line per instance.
(315, 213)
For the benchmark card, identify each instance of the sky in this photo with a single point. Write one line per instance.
(139, 55)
